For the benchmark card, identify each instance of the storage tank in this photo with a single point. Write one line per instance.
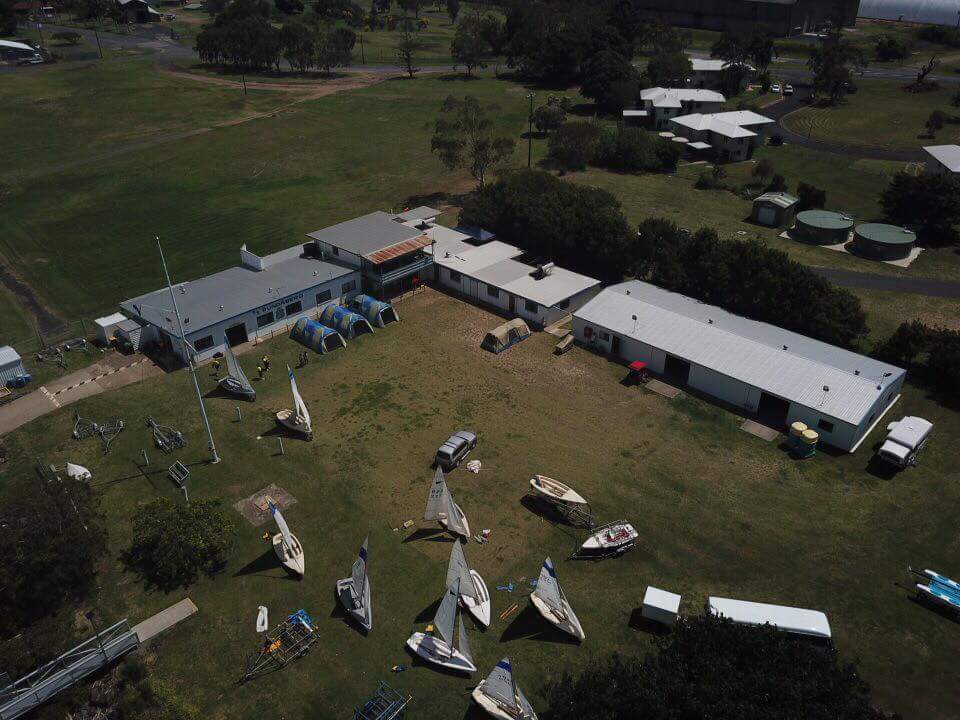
(883, 242)
(822, 227)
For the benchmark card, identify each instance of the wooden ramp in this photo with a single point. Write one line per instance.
(165, 619)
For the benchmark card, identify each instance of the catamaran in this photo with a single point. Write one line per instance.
(286, 545)
(298, 419)
(440, 649)
(235, 381)
(473, 590)
(499, 695)
(442, 508)
(354, 591)
(555, 492)
(548, 598)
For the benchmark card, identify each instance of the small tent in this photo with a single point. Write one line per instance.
(347, 323)
(378, 313)
(315, 336)
(506, 335)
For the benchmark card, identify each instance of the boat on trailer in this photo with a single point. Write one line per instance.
(440, 649)
(474, 595)
(297, 419)
(610, 539)
(556, 492)
(354, 591)
(286, 545)
(499, 695)
(939, 589)
(551, 602)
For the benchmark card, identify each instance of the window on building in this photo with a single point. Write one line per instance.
(454, 276)
(335, 251)
(530, 306)
(294, 307)
(322, 297)
(264, 320)
(204, 343)
(873, 416)
(348, 287)
(564, 304)
(493, 291)
(604, 336)
(825, 425)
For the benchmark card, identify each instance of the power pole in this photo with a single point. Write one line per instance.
(189, 351)
(530, 131)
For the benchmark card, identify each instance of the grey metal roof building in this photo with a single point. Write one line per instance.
(366, 234)
(778, 374)
(934, 12)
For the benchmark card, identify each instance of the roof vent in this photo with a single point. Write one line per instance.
(543, 270)
(709, 321)
(785, 347)
(826, 388)
(221, 308)
(856, 372)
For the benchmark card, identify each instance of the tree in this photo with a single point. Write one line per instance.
(733, 49)
(889, 47)
(634, 150)
(930, 204)
(8, 18)
(453, 9)
(931, 354)
(610, 80)
(810, 197)
(777, 184)
(175, 542)
(289, 7)
(407, 46)
(334, 46)
(669, 68)
(761, 52)
(935, 122)
(762, 170)
(463, 137)
(411, 6)
(711, 667)
(833, 61)
(299, 41)
(573, 145)
(469, 46)
(955, 100)
(551, 115)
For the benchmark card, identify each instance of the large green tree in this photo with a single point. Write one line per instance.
(711, 668)
(469, 46)
(834, 61)
(930, 204)
(8, 18)
(464, 137)
(610, 80)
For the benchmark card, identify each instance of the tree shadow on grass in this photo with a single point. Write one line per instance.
(531, 625)
(457, 77)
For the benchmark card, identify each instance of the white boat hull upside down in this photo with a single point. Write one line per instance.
(569, 624)
(292, 558)
(494, 708)
(438, 652)
(363, 615)
(291, 421)
(463, 518)
(555, 492)
(480, 610)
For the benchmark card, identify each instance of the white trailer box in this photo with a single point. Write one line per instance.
(107, 327)
(905, 439)
(798, 621)
(660, 606)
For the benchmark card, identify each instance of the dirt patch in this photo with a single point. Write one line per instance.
(311, 89)
(256, 508)
(43, 317)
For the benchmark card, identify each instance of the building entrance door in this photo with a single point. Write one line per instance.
(236, 335)
(615, 346)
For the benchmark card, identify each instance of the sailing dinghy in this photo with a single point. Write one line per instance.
(286, 546)
(473, 590)
(354, 591)
(298, 419)
(442, 508)
(439, 649)
(235, 382)
(499, 695)
(555, 492)
(548, 598)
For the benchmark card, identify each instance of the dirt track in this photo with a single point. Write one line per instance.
(311, 89)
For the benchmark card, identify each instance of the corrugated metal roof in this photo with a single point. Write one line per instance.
(8, 355)
(781, 199)
(401, 248)
(936, 12)
(742, 118)
(697, 121)
(946, 155)
(111, 319)
(750, 351)
(366, 234)
(672, 97)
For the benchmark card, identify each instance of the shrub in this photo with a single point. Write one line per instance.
(940, 34)
(635, 150)
(777, 184)
(762, 170)
(776, 140)
(810, 197)
(574, 144)
(889, 47)
(930, 204)
(933, 354)
(71, 37)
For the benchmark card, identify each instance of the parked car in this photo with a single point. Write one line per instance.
(788, 89)
(32, 60)
(775, 88)
(905, 439)
(455, 449)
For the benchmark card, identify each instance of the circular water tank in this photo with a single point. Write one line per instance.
(822, 227)
(883, 242)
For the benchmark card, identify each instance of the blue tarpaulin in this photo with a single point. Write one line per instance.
(377, 312)
(347, 323)
(315, 336)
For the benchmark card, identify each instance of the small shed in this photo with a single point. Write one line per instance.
(505, 336)
(347, 323)
(129, 333)
(774, 209)
(11, 367)
(317, 337)
(107, 327)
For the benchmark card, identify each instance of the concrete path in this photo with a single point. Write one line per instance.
(165, 619)
(890, 283)
(758, 430)
(661, 388)
(109, 373)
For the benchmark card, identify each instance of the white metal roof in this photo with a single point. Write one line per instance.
(12, 45)
(709, 65)
(780, 199)
(742, 118)
(673, 97)
(419, 213)
(697, 121)
(946, 155)
(112, 319)
(777, 361)
(470, 259)
(634, 113)
(700, 145)
(790, 619)
(8, 356)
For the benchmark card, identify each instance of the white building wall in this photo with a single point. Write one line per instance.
(721, 386)
(347, 258)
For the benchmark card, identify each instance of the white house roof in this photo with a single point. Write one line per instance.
(780, 199)
(8, 356)
(12, 45)
(634, 113)
(469, 259)
(777, 361)
(709, 65)
(790, 619)
(418, 213)
(946, 155)
(742, 118)
(697, 121)
(681, 95)
(112, 319)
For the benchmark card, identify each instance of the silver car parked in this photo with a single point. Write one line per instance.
(455, 449)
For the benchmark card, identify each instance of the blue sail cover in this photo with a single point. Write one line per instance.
(376, 311)
(315, 336)
(344, 321)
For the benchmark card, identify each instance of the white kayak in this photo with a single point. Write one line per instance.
(555, 491)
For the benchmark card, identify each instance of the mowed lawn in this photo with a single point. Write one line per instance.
(719, 512)
(880, 114)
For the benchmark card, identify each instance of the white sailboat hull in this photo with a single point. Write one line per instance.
(569, 624)
(364, 614)
(612, 538)
(555, 492)
(291, 559)
(438, 652)
(290, 420)
(495, 709)
(479, 609)
(463, 518)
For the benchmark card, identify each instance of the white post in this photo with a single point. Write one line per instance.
(239, 415)
(185, 496)
(188, 349)
(280, 444)
(146, 460)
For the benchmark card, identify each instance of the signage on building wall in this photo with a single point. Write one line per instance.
(278, 303)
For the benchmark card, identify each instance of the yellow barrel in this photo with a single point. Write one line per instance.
(798, 428)
(810, 436)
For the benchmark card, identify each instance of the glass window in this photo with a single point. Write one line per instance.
(322, 297)
(335, 251)
(264, 320)
(204, 343)
(604, 336)
(493, 291)
(294, 307)
(825, 425)
(349, 286)
(530, 306)
(454, 276)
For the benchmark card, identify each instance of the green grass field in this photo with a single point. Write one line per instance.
(880, 114)
(719, 512)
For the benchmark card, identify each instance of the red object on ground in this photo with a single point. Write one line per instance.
(638, 366)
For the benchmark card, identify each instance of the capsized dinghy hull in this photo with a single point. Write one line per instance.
(438, 652)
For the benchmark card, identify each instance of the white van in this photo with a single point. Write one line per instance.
(905, 439)
(810, 623)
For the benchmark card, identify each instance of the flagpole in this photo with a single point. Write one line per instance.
(188, 349)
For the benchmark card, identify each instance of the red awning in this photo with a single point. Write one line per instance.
(638, 366)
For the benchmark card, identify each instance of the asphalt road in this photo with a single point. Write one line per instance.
(890, 283)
